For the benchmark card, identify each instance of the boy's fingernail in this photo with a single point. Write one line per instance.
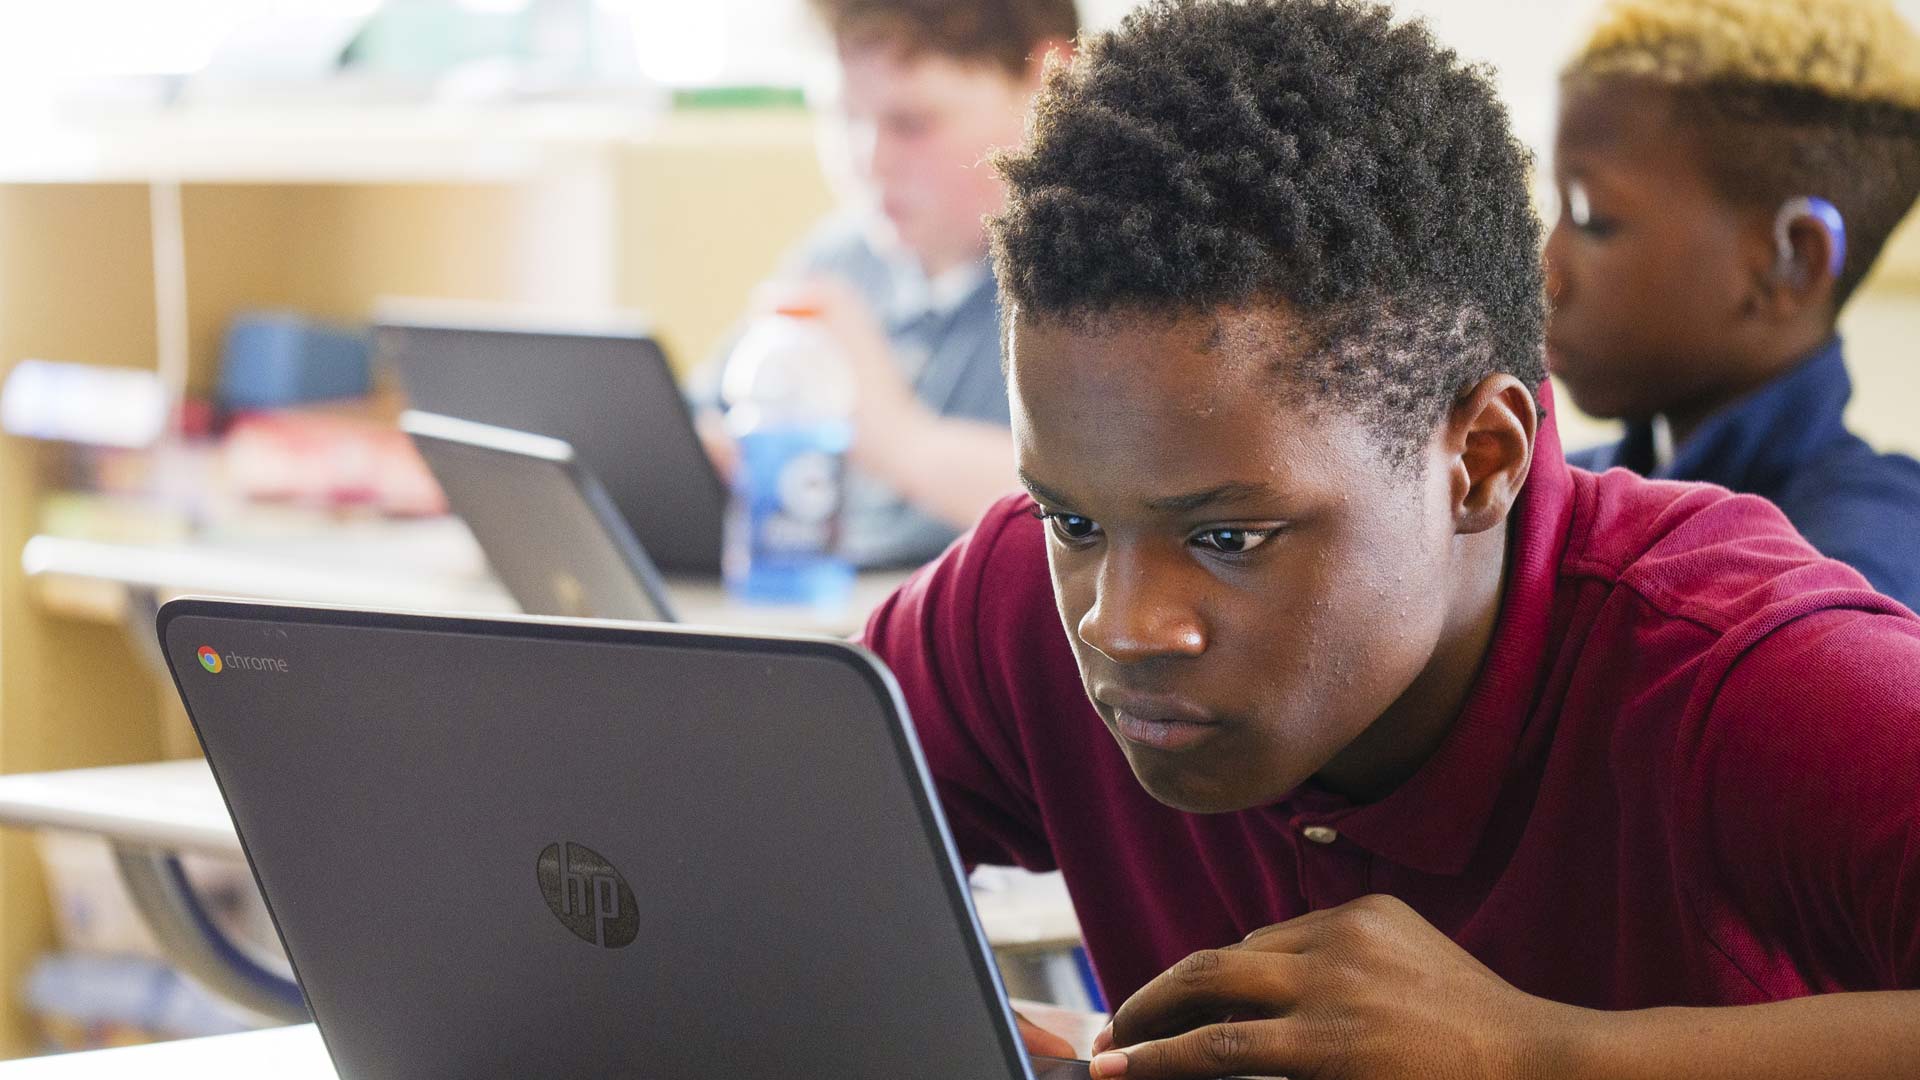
(1104, 1040)
(1113, 1063)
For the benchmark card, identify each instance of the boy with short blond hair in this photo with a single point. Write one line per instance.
(1730, 171)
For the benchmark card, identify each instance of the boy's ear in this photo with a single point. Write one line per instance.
(1487, 446)
(1793, 271)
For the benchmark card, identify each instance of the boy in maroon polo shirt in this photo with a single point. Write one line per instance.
(1373, 741)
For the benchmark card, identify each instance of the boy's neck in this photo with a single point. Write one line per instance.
(1775, 358)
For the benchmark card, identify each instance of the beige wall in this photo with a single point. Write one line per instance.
(1882, 328)
(705, 219)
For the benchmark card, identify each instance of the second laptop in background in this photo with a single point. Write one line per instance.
(604, 389)
(552, 535)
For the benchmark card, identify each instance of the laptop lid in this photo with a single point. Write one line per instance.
(509, 847)
(549, 530)
(606, 390)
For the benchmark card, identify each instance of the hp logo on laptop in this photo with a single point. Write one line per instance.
(588, 895)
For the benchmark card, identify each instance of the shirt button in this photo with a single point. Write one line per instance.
(1320, 834)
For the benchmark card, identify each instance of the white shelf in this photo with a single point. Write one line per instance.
(367, 144)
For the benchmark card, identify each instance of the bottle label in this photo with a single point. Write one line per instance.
(784, 530)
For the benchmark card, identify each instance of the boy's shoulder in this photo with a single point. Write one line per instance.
(1752, 639)
(1759, 692)
(982, 613)
(1701, 553)
(1862, 507)
(993, 580)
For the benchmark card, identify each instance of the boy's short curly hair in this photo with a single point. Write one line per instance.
(1004, 32)
(1784, 98)
(1312, 155)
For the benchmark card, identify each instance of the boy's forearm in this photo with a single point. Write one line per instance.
(951, 468)
(1857, 1036)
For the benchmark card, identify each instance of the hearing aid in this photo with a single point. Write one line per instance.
(1786, 266)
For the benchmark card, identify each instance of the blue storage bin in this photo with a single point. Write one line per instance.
(275, 359)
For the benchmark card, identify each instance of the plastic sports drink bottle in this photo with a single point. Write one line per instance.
(789, 397)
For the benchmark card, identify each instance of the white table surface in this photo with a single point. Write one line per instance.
(175, 805)
(290, 1053)
(430, 565)
(296, 1053)
(171, 804)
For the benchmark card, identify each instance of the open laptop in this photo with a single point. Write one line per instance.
(605, 389)
(550, 532)
(519, 847)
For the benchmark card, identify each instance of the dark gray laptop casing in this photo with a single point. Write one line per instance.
(609, 394)
(549, 530)
(764, 828)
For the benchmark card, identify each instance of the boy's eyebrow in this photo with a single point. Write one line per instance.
(1041, 491)
(1233, 491)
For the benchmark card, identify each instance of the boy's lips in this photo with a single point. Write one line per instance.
(1163, 723)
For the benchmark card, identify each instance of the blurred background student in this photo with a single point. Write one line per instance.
(1729, 171)
(926, 90)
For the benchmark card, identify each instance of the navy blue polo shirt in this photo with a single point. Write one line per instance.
(1788, 442)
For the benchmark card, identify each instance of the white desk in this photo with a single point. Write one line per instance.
(173, 805)
(418, 566)
(289, 1053)
(296, 1053)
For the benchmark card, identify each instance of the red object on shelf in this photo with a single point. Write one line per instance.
(328, 461)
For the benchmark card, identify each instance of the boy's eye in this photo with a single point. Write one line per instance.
(1578, 208)
(1071, 526)
(1579, 205)
(1233, 541)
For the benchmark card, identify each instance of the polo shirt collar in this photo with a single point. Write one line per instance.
(1758, 442)
(1434, 821)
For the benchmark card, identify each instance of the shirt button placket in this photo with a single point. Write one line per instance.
(1313, 867)
(1331, 872)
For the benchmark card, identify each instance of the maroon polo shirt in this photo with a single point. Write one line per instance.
(1688, 773)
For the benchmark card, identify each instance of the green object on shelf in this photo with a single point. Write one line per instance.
(740, 97)
(432, 37)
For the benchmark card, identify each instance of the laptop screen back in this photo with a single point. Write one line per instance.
(548, 529)
(611, 396)
(497, 848)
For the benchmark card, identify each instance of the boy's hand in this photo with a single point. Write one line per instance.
(1365, 991)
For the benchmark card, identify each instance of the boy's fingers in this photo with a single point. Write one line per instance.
(1256, 1048)
(1209, 986)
